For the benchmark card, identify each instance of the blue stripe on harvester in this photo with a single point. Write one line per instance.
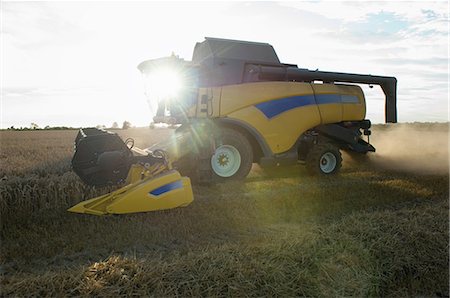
(275, 107)
(278, 106)
(349, 98)
(328, 98)
(168, 187)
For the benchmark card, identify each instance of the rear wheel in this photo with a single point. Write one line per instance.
(233, 156)
(324, 159)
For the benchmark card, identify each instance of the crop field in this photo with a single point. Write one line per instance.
(379, 228)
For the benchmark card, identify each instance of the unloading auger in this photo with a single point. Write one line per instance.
(148, 180)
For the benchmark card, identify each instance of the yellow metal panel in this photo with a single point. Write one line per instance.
(344, 111)
(235, 97)
(135, 174)
(138, 197)
(208, 102)
(282, 131)
(352, 112)
(330, 112)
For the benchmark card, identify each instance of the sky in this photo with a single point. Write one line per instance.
(74, 63)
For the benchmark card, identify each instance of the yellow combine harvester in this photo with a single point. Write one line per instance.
(236, 104)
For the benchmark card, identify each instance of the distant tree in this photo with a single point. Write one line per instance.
(115, 125)
(126, 125)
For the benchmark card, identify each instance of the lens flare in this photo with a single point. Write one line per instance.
(163, 83)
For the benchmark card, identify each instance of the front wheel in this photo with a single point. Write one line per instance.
(324, 159)
(233, 156)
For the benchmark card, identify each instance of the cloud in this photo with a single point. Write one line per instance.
(356, 11)
(377, 23)
(31, 25)
(433, 61)
(19, 91)
(57, 53)
(30, 91)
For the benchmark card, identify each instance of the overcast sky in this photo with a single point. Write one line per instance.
(74, 63)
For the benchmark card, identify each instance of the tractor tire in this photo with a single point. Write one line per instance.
(324, 159)
(233, 157)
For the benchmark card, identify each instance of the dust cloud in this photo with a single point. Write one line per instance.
(420, 148)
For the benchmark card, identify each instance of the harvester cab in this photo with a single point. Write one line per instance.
(236, 104)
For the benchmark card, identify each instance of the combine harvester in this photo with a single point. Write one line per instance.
(237, 105)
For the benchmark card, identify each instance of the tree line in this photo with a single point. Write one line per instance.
(34, 126)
